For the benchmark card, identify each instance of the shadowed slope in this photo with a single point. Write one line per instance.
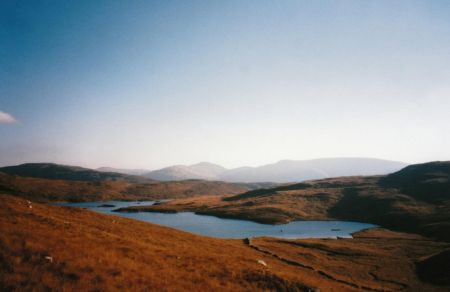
(436, 268)
(428, 181)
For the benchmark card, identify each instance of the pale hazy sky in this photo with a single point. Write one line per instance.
(154, 83)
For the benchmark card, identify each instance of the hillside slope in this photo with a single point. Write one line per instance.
(40, 255)
(58, 248)
(46, 190)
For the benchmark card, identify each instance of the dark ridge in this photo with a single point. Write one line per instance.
(429, 182)
(376, 209)
(435, 269)
(66, 172)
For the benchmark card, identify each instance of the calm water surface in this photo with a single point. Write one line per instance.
(230, 228)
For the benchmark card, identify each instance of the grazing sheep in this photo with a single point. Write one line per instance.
(49, 258)
(261, 262)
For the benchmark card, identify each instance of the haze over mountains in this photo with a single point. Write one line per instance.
(299, 170)
(284, 171)
(123, 170)
(280, 172)
(203, 170)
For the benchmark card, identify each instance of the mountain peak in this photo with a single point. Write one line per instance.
(206, 164)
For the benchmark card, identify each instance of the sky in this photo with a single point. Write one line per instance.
(147, 84)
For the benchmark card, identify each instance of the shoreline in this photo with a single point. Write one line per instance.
(348, 235)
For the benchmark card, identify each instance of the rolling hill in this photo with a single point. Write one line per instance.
(67, 172)
(50, 190)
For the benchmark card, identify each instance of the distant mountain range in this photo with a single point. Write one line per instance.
(283, 171)
(203, 170)
(299, 170)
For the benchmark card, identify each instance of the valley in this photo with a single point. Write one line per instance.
(409, 252)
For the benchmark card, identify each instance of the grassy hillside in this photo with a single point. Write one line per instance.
(58, 248)
(77, 191)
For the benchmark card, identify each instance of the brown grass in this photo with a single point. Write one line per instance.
(376, 259)
(98, 252)
(95, 252)
(45, 190)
